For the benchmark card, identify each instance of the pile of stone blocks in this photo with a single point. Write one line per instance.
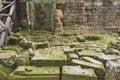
(91, 58)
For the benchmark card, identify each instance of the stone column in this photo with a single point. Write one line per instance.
(52, 15)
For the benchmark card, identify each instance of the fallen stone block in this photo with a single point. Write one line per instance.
(104, 58)
(23, 59)
(8, 58)
(41, 45)
(35, 73)
(89, 59)
(76, 50)
(89, 53)
(27, 44)
(67, 50)
(72, 56)
(113, 70)
(99, 68)
(49, 57)
(80, 38)
(76, 73)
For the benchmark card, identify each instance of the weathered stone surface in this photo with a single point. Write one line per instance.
(23, 59)
(27, 44)
(49, 57)
(35, 73)
(105, 58)
(8, 58)
(113, 70)
(76, 73)
(72, 56)
(89, 53)
(41, 45)
(76, 50)
(80, 38)
(89, 59)
(68, 50)
(99, 68)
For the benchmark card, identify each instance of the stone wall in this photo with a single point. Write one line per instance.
(92, 13)
(80, 13)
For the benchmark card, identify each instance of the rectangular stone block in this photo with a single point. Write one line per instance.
(89, 59)
(72, 56)
(99, 68)
(67, 50)
(49, 57)
(89, 53)
(6, 55)
(35, 73)
(76, 73)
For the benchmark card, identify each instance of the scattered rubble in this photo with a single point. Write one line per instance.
(77, 58)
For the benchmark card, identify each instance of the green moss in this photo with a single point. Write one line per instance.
(6, 51)
(3, 74)
(5, 69)
(92, 37)
(16, 48)
(13, 40)
(35, 73)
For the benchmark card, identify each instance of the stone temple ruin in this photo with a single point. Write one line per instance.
(60, 40)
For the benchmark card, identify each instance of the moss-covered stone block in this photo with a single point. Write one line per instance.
(92, 60)
(76, 73)
(23, 59)
(99, 68)
(76, 50)
(72, 56)
(80, 38)
(27, 44)
(68, 50)
(40, 45)
(89, 53)
(92, 37)
(49, 57)
(8, 57)
(35, 73)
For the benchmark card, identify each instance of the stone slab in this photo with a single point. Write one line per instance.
(89, 59)
(49, 57)
(76, 73)
(99, 68)
(35, 73)
(68, 50)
